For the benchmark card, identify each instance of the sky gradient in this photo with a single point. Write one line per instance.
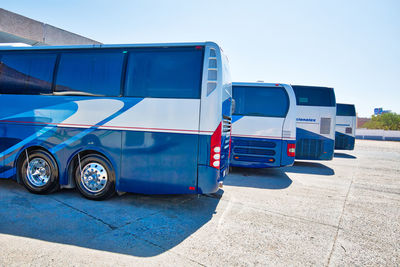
(353, 46)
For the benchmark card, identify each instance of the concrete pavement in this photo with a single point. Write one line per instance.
(340, 212)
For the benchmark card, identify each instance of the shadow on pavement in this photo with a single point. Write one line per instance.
(139, 225)
(344, 155)
(258, 178)
(307, 167)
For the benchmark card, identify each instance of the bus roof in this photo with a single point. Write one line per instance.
(259, 84)
(321, 87)
(10, 48)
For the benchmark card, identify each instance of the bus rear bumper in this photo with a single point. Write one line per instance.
(208, 179)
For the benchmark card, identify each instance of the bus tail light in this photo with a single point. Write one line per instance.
(215, 153)
(291, 150)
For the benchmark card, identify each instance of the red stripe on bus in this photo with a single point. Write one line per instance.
(100, 126)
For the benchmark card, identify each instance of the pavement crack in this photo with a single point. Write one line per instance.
(340, 221)
(281, 214)
(112, 227)
(162, 248)
(150, 215)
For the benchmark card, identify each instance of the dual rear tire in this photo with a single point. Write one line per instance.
(94, 175)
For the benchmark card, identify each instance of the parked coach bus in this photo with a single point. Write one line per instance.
(264, 125)
(316, 116)
(345, 134)
(151, 118)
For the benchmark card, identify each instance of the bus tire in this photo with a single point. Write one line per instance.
(96, 179)
(40, 176)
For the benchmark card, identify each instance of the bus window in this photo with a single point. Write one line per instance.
(29, 74)
(90, 73)
(261, 101)
(314, 96)
(345, 110)
(164, 73)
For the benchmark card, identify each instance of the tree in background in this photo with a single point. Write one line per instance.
(386, 121)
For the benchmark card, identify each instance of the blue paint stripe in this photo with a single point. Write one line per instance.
(235, 118)
(26, 141)
(7, 174)
(91, 129)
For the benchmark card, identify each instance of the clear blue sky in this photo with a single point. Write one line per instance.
(353, 46)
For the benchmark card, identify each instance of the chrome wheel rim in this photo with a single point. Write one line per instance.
(94, 177)
(38, 172)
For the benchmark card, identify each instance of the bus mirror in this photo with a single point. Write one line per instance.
(233, 105)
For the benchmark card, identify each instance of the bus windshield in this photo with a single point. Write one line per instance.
(314, 96)
(345, 110)
(261, 101)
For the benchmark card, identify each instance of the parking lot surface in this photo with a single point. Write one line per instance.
(340, 212)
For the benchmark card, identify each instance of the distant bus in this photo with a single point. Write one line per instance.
(264, 125)
(345, 126)
(151, 118)
(316, 120)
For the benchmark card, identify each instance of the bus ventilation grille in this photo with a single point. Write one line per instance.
(325, 126)
(309, 148)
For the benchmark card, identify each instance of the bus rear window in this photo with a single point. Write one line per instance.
(260, 101)
(345, 110)
(23, 73)
(314, 96)
(164, 72)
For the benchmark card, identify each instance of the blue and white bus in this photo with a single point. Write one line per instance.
(263, 125)
(316, 120)
(151, 118)
(346, 120)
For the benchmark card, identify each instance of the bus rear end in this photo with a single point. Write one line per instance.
(345, 126)
(316, 120)
(264, 125)
(215, 120)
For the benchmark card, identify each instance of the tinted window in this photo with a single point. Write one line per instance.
(24, 73)
(314, 96)
(90, 73)
(345, 110)
(261, 101)
(164, 72)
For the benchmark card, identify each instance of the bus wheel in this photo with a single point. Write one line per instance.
(94, 177)
(39, 172)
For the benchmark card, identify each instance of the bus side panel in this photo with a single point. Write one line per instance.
(67, 142)
(158, 163)
(62, 125)
(62, 143)
(159, 146)
(13, 142)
